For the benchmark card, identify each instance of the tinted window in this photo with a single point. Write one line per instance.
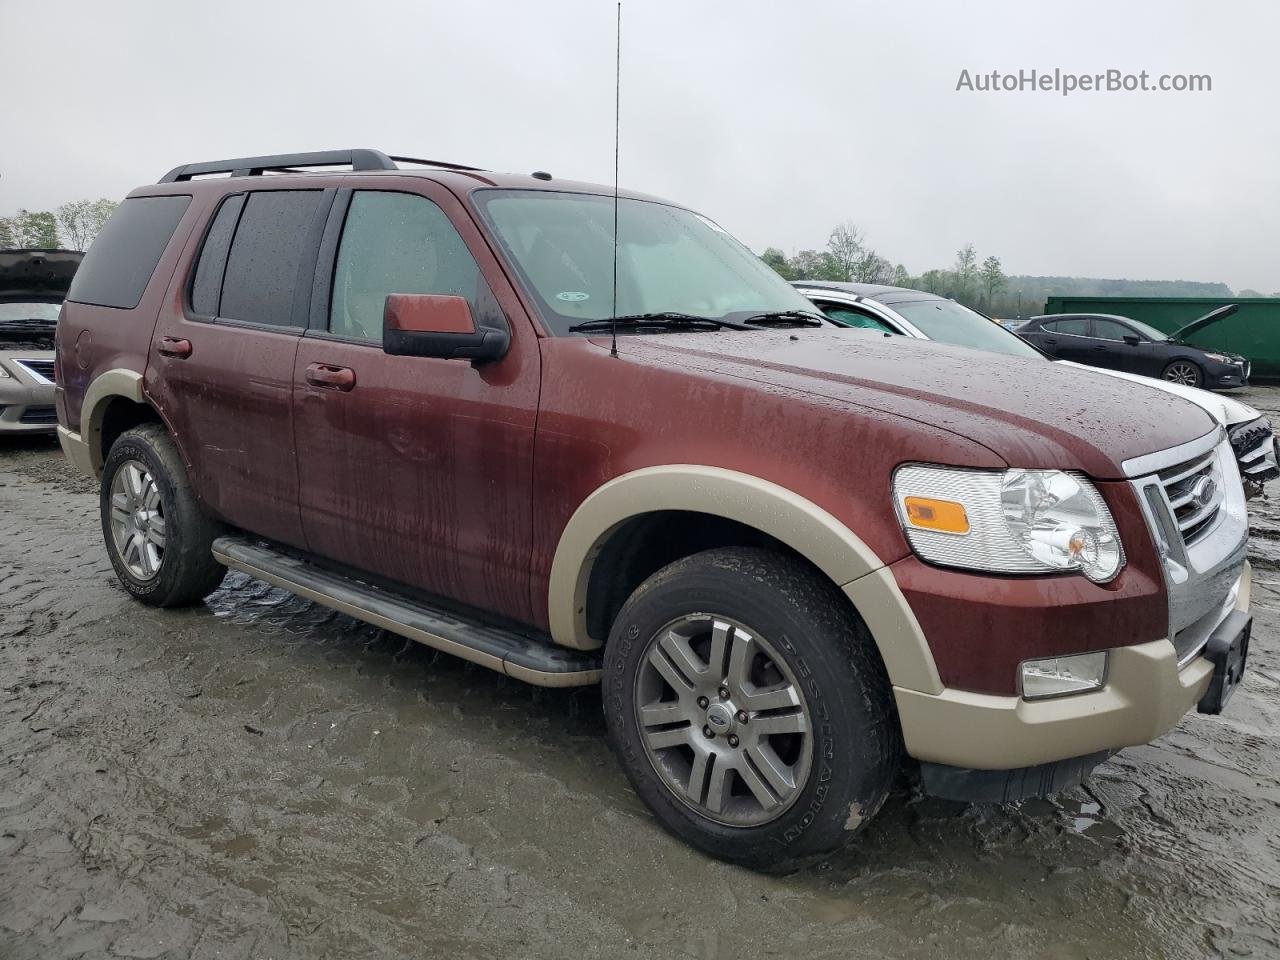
(122, 259)
(1076, 326)
(262, 268)
(207, 284)
(855, 318)
(1110, 330)
(398, 243)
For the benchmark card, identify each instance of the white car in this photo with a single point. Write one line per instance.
(926, 316)
(33, 284)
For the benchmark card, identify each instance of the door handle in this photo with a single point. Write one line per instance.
(1052, 340)
(329, 377)
(174, 347)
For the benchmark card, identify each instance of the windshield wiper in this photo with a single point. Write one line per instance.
(806, 318)
(669, 320)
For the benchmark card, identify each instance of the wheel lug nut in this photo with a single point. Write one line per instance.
(741, 716)
(702, 702)
(724, 693)
(733, 740)
(708, 733)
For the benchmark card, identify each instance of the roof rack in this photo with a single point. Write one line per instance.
(283, 162)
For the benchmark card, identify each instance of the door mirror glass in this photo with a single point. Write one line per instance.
(435, 325)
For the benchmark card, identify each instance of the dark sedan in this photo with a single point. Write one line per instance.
(1119, 343)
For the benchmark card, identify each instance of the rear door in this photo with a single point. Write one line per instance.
(223, 358)
(417, 469)
(1066, 339)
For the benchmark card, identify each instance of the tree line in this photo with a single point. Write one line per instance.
(978, 283)
(849, 258)
(71, 226)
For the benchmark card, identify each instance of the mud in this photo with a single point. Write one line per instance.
(260, 777)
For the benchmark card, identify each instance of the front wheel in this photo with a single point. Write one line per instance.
(1184, 372)
(749, 707)
(157, 534)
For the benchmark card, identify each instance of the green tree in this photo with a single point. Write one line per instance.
(34, 228)
(993, 279)
(847, 250)
(966, 273)
(901, 277)
(779, 262)
(6, 234)
(81, 220)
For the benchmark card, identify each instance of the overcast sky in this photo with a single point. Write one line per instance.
(776, 119)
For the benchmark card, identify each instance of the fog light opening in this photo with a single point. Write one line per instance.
(1063, 676)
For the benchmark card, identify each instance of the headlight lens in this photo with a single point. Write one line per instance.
(1221, 358)
(1008, 521)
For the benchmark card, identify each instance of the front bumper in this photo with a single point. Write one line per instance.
(1226, 376)
(1149, 685)
(26, 407)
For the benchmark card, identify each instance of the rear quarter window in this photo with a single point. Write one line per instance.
(122, 259)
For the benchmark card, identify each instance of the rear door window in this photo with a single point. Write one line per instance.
(1073, 326)
(261, 278)
(206, 287)
(120, 262)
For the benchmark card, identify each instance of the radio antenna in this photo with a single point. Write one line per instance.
(617, 112)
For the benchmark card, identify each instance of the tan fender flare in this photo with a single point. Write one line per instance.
(118, 382)
(765, 506)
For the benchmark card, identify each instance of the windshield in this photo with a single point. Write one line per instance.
(1151, 333)
(29, 311)
(669, 259)
(949, 322)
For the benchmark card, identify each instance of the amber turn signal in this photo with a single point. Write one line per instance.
(930, 514)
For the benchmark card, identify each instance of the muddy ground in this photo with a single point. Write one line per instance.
(260, 777)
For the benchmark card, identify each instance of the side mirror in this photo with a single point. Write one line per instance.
(430, 325)
(1132, 339)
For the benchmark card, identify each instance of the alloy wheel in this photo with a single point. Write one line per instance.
(1183, 373)
(137, 520)
(723, 721)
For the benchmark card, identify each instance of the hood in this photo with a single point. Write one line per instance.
(1213, 316)
(1226, 410)
(37, 276)
(1028, 412)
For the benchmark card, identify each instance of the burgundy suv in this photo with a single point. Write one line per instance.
(791, 554)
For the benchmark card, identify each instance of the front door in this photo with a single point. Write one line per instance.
(416, 469)
(223, 361)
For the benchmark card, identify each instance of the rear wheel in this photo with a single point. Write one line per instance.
(749, 707)
(1184, 372)
(157, 534)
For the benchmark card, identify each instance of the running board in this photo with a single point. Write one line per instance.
(542, 664)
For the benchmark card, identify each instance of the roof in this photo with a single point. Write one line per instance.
(1076, 316)
(362, 163)
(879, 292)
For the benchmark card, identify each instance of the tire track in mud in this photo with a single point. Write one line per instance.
(263, 777)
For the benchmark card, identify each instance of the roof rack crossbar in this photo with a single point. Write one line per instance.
(256, 166)
(283, 162)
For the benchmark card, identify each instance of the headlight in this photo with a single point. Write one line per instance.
(1008, 521)
(1220, 357)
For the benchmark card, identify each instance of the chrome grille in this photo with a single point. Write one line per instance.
(40, 369)
(1196, 493)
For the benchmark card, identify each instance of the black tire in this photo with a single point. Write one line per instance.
(856, 738)
(187, 572)
(1197, 373)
